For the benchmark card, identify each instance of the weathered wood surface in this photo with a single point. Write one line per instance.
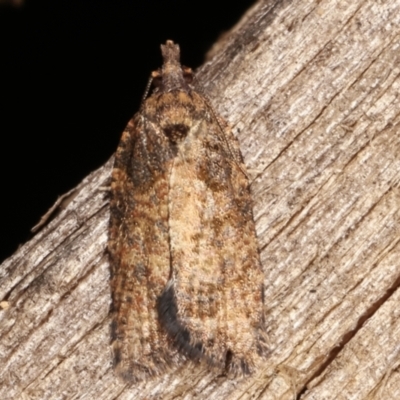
(312, 90)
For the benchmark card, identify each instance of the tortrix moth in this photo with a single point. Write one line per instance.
(186, 276)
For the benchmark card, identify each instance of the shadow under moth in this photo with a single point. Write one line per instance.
(186, 277)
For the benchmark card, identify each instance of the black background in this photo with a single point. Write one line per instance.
(72, 74)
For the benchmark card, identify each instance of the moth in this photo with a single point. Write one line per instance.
(186, 277)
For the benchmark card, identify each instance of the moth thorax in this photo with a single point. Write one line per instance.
(176, 132)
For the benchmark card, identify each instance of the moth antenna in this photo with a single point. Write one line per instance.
(219, 122)
(146, 90)
(199, 89)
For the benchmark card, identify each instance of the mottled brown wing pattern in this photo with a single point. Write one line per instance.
(186, 277)
(139, 248)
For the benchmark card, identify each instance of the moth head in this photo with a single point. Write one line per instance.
(157, 78)
(173, 75)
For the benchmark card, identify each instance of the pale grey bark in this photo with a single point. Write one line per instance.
(311, 89)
